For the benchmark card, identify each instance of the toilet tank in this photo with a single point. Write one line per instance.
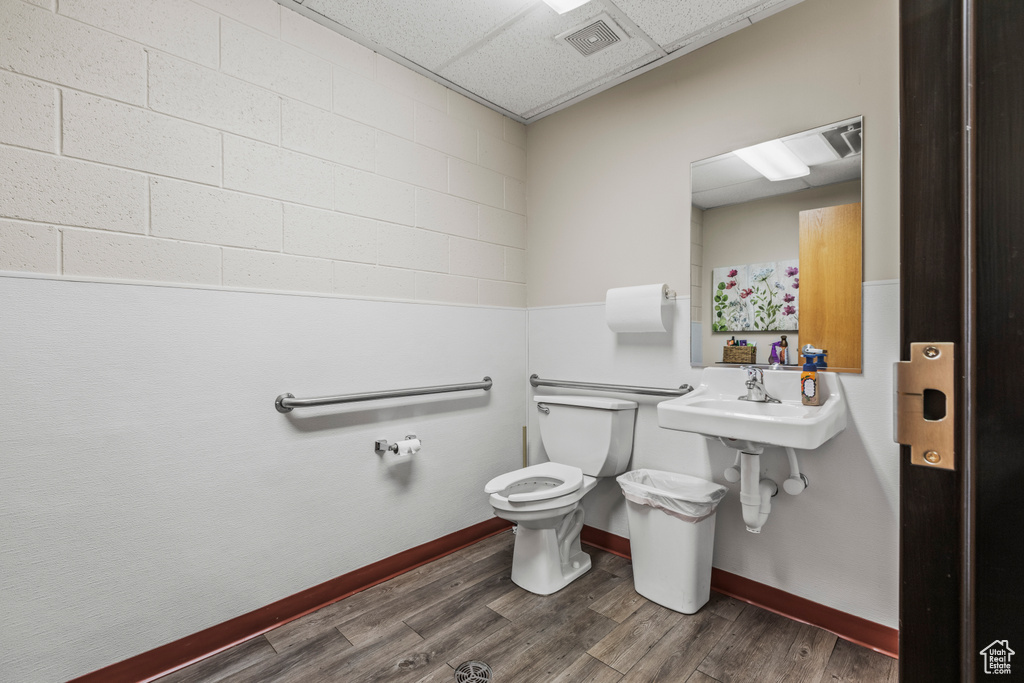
(593, 433)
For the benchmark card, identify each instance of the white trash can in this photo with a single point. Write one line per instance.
(671, 536)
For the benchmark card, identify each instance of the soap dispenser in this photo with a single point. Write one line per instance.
(809, 394)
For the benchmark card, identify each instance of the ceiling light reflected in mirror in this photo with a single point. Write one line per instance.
(774, 161)
(831, 153)
(563, 6)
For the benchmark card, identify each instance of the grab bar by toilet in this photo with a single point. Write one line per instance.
(622, 388)
(286, 402)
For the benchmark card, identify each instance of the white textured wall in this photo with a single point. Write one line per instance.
(837, 543)
(240, 144)
(151, 490)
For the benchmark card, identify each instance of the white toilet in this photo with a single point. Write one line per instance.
(585, 437)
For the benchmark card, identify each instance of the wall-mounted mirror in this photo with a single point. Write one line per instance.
(776, 249)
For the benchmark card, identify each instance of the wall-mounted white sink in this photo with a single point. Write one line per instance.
(714, 409)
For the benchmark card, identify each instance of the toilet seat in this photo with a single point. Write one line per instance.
(571, 479)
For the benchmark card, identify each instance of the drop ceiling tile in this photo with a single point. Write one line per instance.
(707, 35)
(427, 32)
(504, 54)
(671, 21)
(525, 66)
(835, 172)
(745, 192)
(812, 149)
(591, 86)
(721, 171)
(731, 24)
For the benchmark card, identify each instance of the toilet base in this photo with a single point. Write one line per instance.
(543, 565)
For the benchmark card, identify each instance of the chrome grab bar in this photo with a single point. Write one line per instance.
(622, 388)
(286, 402)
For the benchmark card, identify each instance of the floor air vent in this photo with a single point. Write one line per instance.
(473, 672)
(594, 36)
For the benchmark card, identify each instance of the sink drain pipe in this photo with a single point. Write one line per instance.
(755, 493)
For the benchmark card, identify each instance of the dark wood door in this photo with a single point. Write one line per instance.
(998, 485)
(962, 241)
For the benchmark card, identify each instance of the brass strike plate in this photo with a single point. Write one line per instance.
(925, 406)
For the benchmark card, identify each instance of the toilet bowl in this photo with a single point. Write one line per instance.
(586, 438)
(544, 502)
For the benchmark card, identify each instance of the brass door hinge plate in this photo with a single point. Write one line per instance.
(925, 407)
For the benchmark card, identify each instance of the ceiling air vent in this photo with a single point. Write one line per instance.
(845, 140)
(594, 36)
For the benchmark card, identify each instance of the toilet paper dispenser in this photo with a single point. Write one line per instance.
(408, 446)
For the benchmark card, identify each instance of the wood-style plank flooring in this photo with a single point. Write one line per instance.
(416, 628)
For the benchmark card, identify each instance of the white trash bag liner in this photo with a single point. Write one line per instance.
(691, 499)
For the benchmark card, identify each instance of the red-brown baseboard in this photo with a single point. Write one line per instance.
(166, 658)
(616, 545)
(847, 626)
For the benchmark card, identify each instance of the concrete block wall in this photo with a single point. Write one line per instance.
(236, 143)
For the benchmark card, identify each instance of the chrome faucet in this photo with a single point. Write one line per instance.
(755, 387)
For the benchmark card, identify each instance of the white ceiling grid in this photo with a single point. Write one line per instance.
(549, 68)
(505, 53)
(668, 22)
(427, 32)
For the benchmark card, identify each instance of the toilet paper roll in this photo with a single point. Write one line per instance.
(408, 447)
(637, 309)
(395, 461)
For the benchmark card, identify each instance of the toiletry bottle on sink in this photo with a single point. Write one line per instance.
(784, 351)
(809, 394)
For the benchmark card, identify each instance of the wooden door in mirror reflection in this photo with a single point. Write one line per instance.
(831, 284)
